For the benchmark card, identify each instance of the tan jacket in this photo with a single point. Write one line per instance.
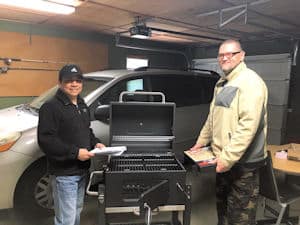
(236, 126)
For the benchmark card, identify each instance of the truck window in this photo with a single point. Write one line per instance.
(136, 84)
(184, 90)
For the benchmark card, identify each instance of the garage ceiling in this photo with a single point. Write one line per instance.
(195, 22)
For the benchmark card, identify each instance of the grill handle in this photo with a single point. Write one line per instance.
(92, 175)
(163, 98)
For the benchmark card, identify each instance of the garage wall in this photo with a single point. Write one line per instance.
(91, 50)
(293, 119)
(277, 46)
(159, 57)
(156, 59)
(89, 55)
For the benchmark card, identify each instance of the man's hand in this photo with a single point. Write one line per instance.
(220, 167)
(84, 154)
(196, 147)
(99, 145)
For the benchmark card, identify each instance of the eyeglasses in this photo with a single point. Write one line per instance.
(79, 81)
(228, 55)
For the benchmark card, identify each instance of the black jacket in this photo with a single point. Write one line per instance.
(64, 128)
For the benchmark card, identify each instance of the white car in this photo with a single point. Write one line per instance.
(24, 181)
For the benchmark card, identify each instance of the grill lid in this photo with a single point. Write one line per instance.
(140, 125)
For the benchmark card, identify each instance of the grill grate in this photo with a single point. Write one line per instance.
(144, 163)
(156, 223)
(157, 167)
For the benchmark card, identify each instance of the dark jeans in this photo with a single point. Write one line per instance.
(237, 194)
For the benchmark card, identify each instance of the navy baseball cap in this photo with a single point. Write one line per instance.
(70, 71)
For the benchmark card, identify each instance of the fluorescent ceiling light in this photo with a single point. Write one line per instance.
(68, 2)
(40, 5)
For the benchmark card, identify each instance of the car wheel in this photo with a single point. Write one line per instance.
(33, 192)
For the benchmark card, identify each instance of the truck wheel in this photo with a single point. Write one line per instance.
(33, 193)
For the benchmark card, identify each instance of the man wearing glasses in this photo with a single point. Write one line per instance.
(65, 137)
(236, 130)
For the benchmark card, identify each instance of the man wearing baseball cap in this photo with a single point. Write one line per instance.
(65, 136)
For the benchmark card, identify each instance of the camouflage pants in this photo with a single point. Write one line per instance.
(237, 195)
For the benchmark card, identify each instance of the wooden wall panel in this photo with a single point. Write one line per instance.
(90, 56)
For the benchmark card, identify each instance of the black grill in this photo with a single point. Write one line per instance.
(147, 175)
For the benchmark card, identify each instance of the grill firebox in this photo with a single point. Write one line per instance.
(129, 175)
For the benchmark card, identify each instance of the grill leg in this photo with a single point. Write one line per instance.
(175, 220)
(101, 205)
(188, 206)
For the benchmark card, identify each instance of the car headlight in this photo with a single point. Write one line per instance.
(8, 139)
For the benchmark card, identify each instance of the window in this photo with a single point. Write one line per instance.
(184, 90)
(133, 84)
(133, 63)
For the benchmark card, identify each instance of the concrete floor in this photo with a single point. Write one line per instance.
(203, 207)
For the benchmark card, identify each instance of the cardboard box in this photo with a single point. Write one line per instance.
(292, 149)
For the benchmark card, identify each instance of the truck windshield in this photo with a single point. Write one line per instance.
(89, 85)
